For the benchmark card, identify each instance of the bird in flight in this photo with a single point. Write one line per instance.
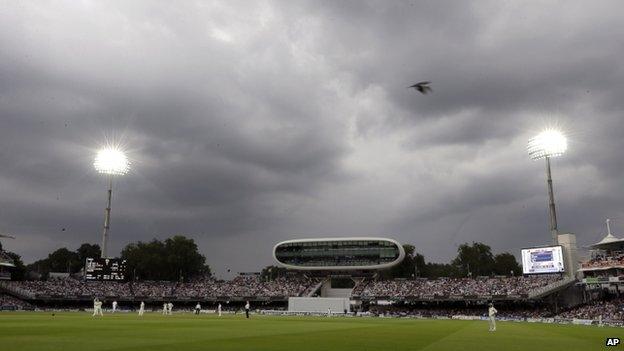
(422, 87)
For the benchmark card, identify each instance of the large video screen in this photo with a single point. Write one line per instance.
(105, 269)
(542, 260)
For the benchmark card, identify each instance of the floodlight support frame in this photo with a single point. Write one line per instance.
(104, 251)
(551, 204)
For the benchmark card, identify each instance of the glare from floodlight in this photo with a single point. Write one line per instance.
(548, 143)
(111, 161)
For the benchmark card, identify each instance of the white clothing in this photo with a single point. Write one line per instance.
(114, 306)
(169, 308)
(492, 311)
(97, 308)
(219, 310)
(142, 308)
(492, 314)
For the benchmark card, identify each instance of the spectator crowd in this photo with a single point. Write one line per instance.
(605, 309)
(455, 286)
(68, 287)
(8, 301)
(517, 312)
(604, 261)
(246, 286)
(253, 286)
(241, 286)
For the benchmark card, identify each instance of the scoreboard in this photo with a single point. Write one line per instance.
(103, 269)
(542, 260)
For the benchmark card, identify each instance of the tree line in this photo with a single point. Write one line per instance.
(178, 258)
(474, 259)
(173, 259)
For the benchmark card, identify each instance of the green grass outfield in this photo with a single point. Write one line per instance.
(40, 331)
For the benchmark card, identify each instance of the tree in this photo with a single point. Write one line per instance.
(146, 260)
(40, 266)
(174, 259)
(183, 258)
(413, 264)
(474, 260)
(87, 250)
(505, 264)
(437, 270)
(19, 271)
(272, 272)
(63, 260)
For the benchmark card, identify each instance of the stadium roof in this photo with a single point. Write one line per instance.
(608, 241)
(5, 260)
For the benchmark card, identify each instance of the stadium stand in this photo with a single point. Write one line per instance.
(246, 286)
(241, 286)
(605, 262)
(607, 310)
(152, 289)
(66, 288)
(511, 287)
(505, 312)
(11, 302)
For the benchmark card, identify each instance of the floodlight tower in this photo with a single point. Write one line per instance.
(547, 144)
(112, 162)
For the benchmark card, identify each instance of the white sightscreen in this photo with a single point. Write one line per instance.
(318, 304)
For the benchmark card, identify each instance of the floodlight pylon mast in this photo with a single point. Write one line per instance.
(547, 144)
(104, 251)
(112, 162)
(551, 204)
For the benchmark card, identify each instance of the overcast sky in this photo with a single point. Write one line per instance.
(252, 122)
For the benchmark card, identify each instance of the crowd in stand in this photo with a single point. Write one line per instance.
(153, 289)
(13, 302)
(455, 286)
(607, 310)
(449, 312)
(70, 287)
(245, 286)
(241, 286)
(600, 261)
(252, 285)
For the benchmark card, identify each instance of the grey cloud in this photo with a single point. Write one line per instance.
(253, 123)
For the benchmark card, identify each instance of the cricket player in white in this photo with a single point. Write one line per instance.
(219, 309)
(165, 307)
(329, 312)
(492, 314)
(169, 308)
(97, 307)
(197, 308)
(142, 308)
(114, 306)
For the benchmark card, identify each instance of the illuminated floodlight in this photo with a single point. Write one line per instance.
(111, 161)
(549, 143)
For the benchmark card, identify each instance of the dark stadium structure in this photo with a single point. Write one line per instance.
(356, 253)
(350, 269)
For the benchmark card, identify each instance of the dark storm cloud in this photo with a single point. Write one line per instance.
(249, 123)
